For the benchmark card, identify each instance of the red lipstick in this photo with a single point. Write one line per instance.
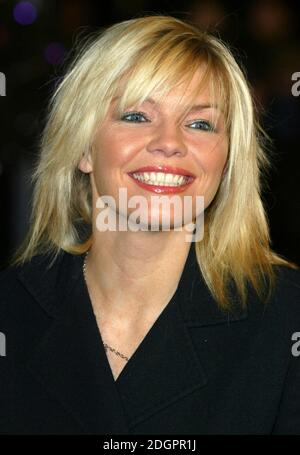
(166, 169)
(162, 189)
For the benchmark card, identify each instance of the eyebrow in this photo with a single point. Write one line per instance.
(195, 107)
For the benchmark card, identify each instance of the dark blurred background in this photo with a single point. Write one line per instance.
(36, 38)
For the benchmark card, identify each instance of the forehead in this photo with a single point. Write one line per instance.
(192, 92)
(173, 102)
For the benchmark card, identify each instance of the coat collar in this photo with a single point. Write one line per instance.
(71, 361)
(51, 286)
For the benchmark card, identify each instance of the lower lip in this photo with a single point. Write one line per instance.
(160, 189)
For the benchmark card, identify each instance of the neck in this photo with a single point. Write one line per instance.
(132, 275)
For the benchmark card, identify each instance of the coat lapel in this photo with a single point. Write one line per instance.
(166, 366)
(71, 361)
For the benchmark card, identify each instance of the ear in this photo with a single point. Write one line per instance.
(85, 164)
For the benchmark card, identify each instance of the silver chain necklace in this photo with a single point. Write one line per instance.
(106, 346)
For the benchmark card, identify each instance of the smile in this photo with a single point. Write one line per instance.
(161, 178)
(162, 182)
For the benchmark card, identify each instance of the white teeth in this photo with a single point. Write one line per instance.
(160, 178)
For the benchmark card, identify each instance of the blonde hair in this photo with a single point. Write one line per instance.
(141, 55)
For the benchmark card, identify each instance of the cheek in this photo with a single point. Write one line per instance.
(108, 154)
(115, 147)
(221, 151)
(111, 154)
(213, 158)
(216, 164)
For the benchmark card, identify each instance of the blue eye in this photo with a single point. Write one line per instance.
(139, 117)
(134, 117)
(203, 125)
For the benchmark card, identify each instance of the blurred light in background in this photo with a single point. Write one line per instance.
(25, 13)
(54, 53)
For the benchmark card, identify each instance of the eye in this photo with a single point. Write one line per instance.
(134, 117)
(202, 125)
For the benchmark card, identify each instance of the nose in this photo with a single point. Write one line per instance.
(167, 139)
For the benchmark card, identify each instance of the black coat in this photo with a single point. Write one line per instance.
(197, 371)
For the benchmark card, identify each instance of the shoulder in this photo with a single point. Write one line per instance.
(287, 310)
(11, 277)
(287, 275)
(282, 309)
(10, 283)
(287, 293)
(15, 295)
(287, 284)
(42, 280)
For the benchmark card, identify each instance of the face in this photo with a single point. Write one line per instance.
(149, 152)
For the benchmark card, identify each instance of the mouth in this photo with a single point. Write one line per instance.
(162, 178)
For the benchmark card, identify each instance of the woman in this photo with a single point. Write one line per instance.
(136, 330)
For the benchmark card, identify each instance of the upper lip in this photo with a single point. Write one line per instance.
(165, 169)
